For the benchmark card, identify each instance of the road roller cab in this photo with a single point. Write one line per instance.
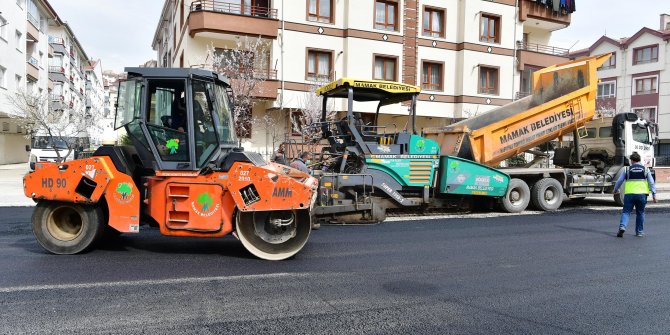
(183, 173)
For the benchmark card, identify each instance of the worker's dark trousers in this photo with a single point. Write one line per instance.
(639, 201)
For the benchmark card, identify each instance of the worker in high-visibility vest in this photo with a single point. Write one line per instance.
(638, 182)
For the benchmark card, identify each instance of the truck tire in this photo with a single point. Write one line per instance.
(547, 194)
(67, 228)
(618, 198)
(517, 197)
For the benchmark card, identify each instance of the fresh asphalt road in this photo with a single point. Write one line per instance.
(554, 273)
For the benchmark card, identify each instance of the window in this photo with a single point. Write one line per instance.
(606, 90)
(181, 13)
(590, 133)
(204, 131)
(235, 63)
(385, 68)
(3, 28)
(645, 55)
(610, 63)
(488, 80)
(319, 65)
(3, 81)
(243, 124)
(433, 22)
(167, 120)
(320, 11)
(5, 126)
(432, 76)
(641, 134)
(224, 112)
(605, 132)
(645, 86)
(386, 15)
(646, 113)
(296, 123)
(489, 29)
(17, 79)
(17, 39)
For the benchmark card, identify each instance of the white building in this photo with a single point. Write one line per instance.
(636, 78)
(468, 56)
(24, 62)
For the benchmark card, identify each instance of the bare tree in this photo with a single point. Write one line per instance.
(247, 65)
(60, 123)
(307, 119)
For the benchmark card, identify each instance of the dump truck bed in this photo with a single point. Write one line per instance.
(563, 99)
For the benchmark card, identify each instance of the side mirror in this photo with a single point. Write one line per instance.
(27, 147)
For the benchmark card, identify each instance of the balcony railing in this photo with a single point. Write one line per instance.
(33, 20)
(232, 8)
(260, 73)
(58, 69)
(545, 49)
(521, 95)
(56, 97)
(56, 40)
(34, 61)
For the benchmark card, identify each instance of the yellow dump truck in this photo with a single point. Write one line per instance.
(563, 101)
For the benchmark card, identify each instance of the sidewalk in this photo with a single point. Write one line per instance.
(11, 187)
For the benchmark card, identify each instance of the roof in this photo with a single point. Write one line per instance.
(622, 42)
(172, 72)
(387, 92)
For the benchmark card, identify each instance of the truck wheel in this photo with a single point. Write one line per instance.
(67, 228)
(517, 197)
(273, 235)
(618, 198)
(547, 194)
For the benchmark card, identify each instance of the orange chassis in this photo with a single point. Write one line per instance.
(182, 203)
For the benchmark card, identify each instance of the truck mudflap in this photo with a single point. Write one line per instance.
(461, 176)
(87, 181)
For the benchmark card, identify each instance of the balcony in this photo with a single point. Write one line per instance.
(33, 69)
(538, 55)
(221, 17)
(50, 51)
(58, 77)
(56, 97)
(542, 17)
(32, 28)
(58, 69)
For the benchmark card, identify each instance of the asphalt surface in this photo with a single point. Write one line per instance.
(554, 273)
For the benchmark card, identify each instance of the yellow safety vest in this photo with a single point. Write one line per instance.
(636, 186)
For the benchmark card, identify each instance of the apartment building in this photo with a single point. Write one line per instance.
(468, 56)
(636, 78)
(66, 69)
(111, 90)
(24, 62)
(77, 79)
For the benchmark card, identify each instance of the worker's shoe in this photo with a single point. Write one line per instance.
(620, 233)
(640, 234)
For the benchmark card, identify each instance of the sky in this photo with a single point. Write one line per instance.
(120, 32)
(620, 18)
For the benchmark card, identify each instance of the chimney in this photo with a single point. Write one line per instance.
(665, 22)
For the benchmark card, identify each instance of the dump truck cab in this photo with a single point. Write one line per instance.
(184, 174)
